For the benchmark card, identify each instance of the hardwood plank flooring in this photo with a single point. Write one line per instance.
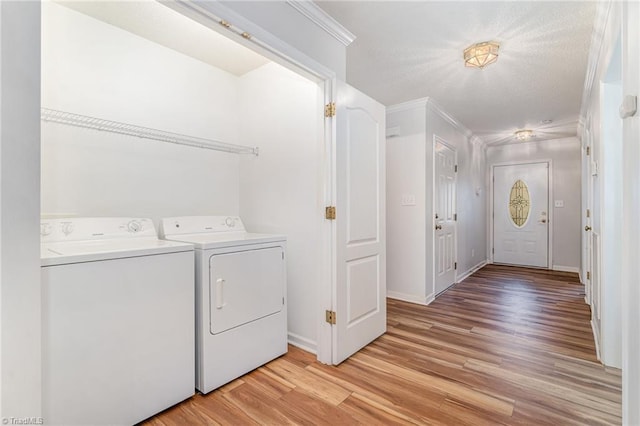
(508, 346)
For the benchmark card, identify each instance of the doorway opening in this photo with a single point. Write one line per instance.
(149, 66)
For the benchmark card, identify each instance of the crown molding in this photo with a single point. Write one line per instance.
(430, 104)
(416, 103)
(595, 49)
(323, 20)
(435, 107)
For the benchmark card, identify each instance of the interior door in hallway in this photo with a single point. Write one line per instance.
(521, 214)
(360, 302)
(445, 216)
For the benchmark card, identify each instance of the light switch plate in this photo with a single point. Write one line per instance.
(408, 200)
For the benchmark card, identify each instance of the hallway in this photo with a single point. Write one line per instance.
(506, 346)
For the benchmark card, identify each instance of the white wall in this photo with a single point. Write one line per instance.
(95, 69)
(406, 225)
(280, 189)
(565, 177)
(600, 113)
(20, 376)
(631, 225)
(411, 128)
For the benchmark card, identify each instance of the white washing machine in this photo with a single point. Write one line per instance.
(117, 321)
(241, 308)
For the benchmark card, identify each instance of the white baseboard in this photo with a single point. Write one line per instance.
(411, 298)
(595, 339)
(302, 343)
(562, 268)
(473, 269)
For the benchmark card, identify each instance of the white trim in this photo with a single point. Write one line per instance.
(323, 20)
(561, 268)
(595, 48)
(302, 343)
(404, 106)
(211, 13)
(420, 300)
(470, 271)
(595, 340)
(551, 219)
(432, 105)
(565, 139)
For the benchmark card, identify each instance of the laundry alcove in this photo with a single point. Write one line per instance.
(151, 78)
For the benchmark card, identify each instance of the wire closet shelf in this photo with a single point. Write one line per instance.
(84, 121)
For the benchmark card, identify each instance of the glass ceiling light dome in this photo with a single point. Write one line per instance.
(524, 135)
(480, 55)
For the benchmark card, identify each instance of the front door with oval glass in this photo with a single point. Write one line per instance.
(521, 214)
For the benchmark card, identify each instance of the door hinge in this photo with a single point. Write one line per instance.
(455, 216)
(588, 213)
(493, 250)
(455, 265)
(588, 275)
(330, 213)
(330, 110)
(455, 168)
(588, 149)
(330, 317)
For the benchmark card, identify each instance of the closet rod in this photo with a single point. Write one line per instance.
(77, 120)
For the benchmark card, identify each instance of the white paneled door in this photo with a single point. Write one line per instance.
(445, 220)
(360, 294)
(521, 214)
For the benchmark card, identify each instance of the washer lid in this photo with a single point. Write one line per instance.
(227, 239)
(62, 253)
(73, 240)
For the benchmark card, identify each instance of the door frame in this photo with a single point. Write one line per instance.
(551, 222)
(587, 238)
(437, 139)
(265, 43)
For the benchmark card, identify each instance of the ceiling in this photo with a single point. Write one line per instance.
(410, 50)
(156, 22)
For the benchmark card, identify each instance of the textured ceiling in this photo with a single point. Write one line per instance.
(409, 50)
(160, 24)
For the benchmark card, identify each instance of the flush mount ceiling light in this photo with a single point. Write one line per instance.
(480, 55)
(524, 135)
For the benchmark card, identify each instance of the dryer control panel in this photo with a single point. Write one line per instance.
(95, 228)
(200, 225)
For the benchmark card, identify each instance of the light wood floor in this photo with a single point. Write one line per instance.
(506, 346)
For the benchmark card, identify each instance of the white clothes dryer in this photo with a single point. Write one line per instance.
(241, 307)
(117, 321)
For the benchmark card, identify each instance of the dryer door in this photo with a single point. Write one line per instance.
(245, 286)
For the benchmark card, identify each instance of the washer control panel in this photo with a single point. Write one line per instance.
(95, 228)
(200, 225)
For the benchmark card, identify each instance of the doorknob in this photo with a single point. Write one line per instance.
(587, 228)
(543, 221)
(438, 227)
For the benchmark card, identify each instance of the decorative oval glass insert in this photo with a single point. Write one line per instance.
(519, 203)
